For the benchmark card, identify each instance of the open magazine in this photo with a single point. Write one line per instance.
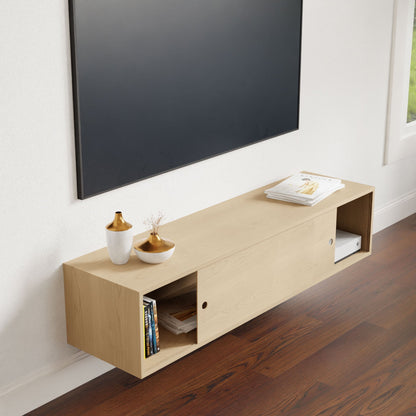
(304, 189)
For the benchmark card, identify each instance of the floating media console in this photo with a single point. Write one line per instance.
(243, 257)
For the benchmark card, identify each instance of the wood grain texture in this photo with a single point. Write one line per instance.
(104, 319)
(248, 283)
(244, 256)
(356, 217)
(212, 234)
(307, 356)
(91, 394)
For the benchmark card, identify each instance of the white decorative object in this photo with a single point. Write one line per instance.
(346, 244)
(154, 249)
(154, 257)
(304, 188)
(119, 239)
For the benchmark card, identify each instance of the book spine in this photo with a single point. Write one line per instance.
(147, 337)
(153, 324)
(144, 326)
(156, 326)
(152, 329)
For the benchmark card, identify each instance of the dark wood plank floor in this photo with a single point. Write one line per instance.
(344, 347)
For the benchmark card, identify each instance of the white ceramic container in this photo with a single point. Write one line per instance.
(154, 258)
(119, 239)
(154, 249)
(119, 244)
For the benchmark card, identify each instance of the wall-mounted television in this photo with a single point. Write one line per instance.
(160, 84)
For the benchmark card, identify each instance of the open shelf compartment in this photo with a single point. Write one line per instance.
(172, 346)
(356, 217)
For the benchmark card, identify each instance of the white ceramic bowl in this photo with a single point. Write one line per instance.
(154, 258)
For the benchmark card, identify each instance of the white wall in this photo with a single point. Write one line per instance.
(345, 63)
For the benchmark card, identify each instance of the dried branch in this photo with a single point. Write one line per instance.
(154, 222)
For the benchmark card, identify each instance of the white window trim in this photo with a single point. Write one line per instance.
(400, 135)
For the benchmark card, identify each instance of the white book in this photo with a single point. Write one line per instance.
(304, 189)
(302, 201)
(305, 186)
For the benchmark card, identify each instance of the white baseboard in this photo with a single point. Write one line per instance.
(54, 381)
(49, 383)
(394, 211)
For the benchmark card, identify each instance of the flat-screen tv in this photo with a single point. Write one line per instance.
(160, 84)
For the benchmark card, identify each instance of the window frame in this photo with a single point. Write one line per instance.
(400, 135)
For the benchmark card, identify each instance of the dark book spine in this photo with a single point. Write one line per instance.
(152, 320)
(144, 330)
(156, 326)
(147, 337)
(151, 330)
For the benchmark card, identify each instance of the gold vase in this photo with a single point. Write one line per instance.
(119, 223)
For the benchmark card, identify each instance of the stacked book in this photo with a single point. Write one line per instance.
(151, 328)
(178, 315)
(304, 189)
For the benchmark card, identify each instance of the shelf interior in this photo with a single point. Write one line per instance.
(171, 345)
(355, 217)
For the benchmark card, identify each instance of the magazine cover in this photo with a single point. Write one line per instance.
(304, 186)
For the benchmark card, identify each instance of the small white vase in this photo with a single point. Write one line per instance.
(119, 239)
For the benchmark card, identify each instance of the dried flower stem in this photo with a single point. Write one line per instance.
(154, 222)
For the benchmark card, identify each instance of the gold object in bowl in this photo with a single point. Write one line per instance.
(154, 249)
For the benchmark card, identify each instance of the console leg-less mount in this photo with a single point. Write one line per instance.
(241, 257)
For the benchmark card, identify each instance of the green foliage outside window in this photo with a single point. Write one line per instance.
(411, 107)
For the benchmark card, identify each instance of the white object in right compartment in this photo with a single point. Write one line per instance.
(346, 244)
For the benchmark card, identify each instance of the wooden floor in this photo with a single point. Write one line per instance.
(345, 347)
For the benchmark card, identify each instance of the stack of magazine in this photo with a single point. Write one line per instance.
(304, 189)
(178, 315)
(151, 328)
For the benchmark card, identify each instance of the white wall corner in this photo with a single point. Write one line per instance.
(49, 383)
(394, 211)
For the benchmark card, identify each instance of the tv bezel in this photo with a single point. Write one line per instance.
(77, 121)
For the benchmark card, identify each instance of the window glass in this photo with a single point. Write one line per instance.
(411, 106)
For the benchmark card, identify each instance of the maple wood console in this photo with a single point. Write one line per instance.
(243, 257)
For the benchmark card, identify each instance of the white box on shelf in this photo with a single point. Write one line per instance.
(346, 244)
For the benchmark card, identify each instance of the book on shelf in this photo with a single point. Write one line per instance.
(154, 323)
(304, 189)
(151, 334)
(146, 332)
(178, 315)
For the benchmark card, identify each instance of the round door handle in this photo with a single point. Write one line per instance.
(204, 305)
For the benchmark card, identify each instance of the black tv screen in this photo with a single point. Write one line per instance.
(159, 84)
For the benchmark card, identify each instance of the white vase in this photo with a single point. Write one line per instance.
(119, 239)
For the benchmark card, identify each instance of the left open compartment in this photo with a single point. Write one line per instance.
(169, 323)
(106, 319)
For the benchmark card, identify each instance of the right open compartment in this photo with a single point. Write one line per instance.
(354, 219)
